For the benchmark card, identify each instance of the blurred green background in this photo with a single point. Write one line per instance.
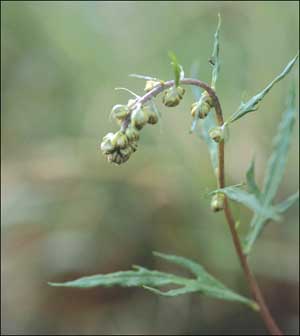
(66, 212)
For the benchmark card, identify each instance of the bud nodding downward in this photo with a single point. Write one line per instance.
(217, 202)
(172, 96)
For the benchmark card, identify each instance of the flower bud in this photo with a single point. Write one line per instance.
(139, 118)
(180, 91)
(131, 102)
(172, 96)
(216, 134)
(200, 109)
(119, 156)
(150, 84)
(132, 133)
(119, 140)
(217, 202)
(151, 113)
(106, 144)
(208, 99)
(119, 111)
(133, 145)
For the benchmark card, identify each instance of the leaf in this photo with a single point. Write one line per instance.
(141, 277)
(174, 292)
(145, 77)
(193, 267)
(277, 162)
(215, 60)
(197, 91)
(249, 200)
(206, 124)
(253, 188)
(274, 173)
(125, 89)
(150, 279)
(252, 104)
(177, 68)
(286, 204)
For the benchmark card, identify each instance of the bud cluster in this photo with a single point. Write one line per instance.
(118, 147)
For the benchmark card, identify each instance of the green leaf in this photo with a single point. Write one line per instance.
(249, 200)
(197, 91)
(215, 60)
(208, 123)
(144, 77)
(277, 162)
(150, 279)
(286, 204)
(250, 175)
(177, 68)
(193, 267)
(141, 277)
(252, 104)
(175, 292)
(274, 173)
(127, 90)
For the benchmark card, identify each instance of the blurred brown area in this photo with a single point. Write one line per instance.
(67, 213)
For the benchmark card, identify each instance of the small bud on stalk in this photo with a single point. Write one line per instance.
(217, 202)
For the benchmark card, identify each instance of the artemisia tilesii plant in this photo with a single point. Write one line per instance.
(118, 148)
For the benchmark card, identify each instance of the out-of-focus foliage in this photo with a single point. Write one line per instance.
(67, 213)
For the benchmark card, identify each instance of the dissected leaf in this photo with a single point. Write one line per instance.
(125, 89)
(197, 91)
(175, 292)
(250, 175)
(250, 201)
(150, 279)
(286, 204)
(252, 104)
(192, 266)
(276, 164)
(274, 173)
(145, 77)
(206, 124)
(138, 278)
(215, 60)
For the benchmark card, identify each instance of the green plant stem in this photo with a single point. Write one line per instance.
(255, 290)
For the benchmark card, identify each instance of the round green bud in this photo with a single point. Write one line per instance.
(201, 110)
(119, 111)
(151, 113)
(208, 99)
(120, 140)
(132, 133)
(130, 103)
(139, 118)
(106, 144)
(216, 134)
(133, 145)
(171, 97)
(180, 91)
(217, 202)
(150, 84)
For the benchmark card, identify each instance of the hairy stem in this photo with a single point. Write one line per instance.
(255, 290)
